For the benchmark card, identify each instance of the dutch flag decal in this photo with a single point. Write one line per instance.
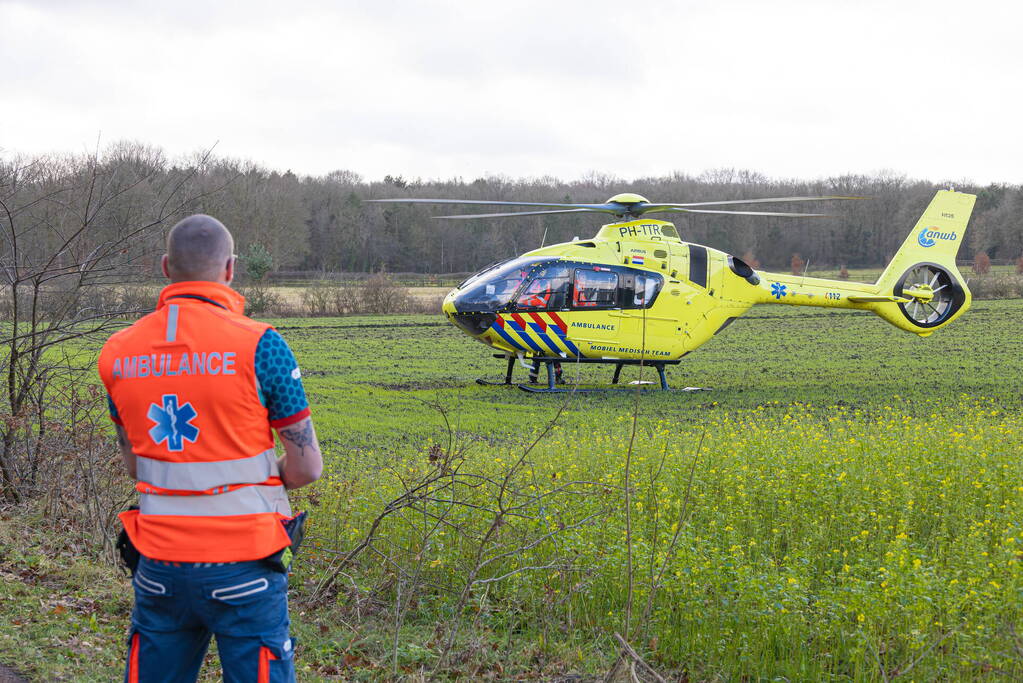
(638, 260)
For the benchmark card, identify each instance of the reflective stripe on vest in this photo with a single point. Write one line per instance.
(143, 487)
(246, 500)
(200, 476)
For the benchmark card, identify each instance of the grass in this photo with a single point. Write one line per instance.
(854, 514)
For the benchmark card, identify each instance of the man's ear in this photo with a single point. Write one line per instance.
(229, 271)
(164, 266)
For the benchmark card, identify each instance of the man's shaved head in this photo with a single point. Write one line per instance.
(199, 248)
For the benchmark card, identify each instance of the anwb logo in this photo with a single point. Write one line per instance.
(928, 237)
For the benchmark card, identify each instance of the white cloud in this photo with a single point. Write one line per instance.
(439, 89)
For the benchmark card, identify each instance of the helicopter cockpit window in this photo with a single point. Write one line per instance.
(478, 276)
(547, 291)
(495, 288)
(645, 290)
(595, 289)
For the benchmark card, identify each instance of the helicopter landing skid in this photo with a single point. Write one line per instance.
(552, 383)
(552, 389)
(507, 375)
(538, 389)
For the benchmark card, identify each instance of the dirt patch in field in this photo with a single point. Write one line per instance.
(355, 326)
(419, 386)
(8, 675)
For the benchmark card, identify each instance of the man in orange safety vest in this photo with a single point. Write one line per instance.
(196, 390)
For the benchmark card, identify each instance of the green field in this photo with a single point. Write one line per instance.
(846, 503)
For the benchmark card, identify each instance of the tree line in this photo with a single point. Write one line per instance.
(324, 223)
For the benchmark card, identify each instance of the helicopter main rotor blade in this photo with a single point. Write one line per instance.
(623, 209)
(592, 207)
(768, 200)
(519, 213)
(750, 213)
(674, 209)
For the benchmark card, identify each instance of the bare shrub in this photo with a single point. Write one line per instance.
(347, 298)
(1007, 286)
(797, 264)
(1019, 265)
(127, 301)
(71, 230)
(320, 298)
(137, 298)
(508, 526)
(750, 258)
(261, 300)
(427, 304)
(380, 294)
(843, 274)
(83, 484)
(982, 263)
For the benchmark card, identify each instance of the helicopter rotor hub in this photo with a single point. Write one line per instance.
(921, 292)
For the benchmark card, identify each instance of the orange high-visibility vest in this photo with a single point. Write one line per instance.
(538, 298)
(183, 382)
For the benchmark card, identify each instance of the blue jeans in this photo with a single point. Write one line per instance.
(180, 605)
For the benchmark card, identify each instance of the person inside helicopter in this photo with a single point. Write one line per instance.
(536, 295)
(645, 290)
(547, 291)
(594, 288)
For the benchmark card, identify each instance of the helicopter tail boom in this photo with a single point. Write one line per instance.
(920, 290)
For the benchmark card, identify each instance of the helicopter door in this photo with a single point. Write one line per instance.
(647, 320)
(595, 294)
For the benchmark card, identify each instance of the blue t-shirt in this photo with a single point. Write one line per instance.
(279, 382)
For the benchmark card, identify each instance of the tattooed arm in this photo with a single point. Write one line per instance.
(302, 462)
(126, 453)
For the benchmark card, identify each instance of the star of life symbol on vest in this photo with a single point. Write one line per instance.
(173, 423)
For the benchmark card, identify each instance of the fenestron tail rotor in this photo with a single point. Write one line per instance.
(934, 294)
(626, 205)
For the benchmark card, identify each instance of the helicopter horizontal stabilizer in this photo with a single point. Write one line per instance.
(877, 299)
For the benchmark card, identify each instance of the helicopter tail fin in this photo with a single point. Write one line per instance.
(921, 289)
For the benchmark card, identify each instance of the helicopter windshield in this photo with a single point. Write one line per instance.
(494, 288)
(477, 276)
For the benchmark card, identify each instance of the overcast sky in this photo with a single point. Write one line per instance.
(520, 88)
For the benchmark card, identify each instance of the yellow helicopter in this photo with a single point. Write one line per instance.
(637, 294)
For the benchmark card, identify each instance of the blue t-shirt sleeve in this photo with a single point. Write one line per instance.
(280, 381)
(113, 410)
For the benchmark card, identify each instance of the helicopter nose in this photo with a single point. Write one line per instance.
(473, 324)
(449, 305)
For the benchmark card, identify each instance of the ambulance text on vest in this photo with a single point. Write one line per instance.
(158, 365)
